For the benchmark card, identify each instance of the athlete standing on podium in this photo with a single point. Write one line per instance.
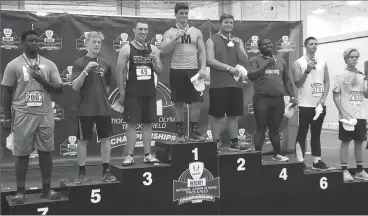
(270, 76)
(313, 83)
(137, 63)
(92, 77)
(27, 83)
(185, 45)
(224, 52)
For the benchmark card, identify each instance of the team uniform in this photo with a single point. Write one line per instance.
(309, 96)
(183, 66)
(93, 105)
(32, 111)
(268, 99)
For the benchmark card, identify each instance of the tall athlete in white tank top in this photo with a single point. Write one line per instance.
(312, 80)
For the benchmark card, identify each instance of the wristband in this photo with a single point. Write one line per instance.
(84, 71)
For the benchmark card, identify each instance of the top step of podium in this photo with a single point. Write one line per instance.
(165, 144)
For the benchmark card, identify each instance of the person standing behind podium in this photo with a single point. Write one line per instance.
(224, 52)
(269, 75)
(27, 83)
(313, 83)
(137, 63)
(91, 77)
(185, 45)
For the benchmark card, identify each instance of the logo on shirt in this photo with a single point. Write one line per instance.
(69, 146)
(272, 72)
(251, 45)
(49, 41)
(285, 45)
(66, 75)
(121, 41)
(186, 39)
(157, 40)
(81, 42)
(9, 40)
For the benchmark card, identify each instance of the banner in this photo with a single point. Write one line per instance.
(62, 41)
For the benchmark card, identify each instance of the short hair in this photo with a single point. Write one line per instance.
(261, 40)
(93, 34)
(347, 53)
(28, 32)
(225, 16)
(142, 21)
(181, 6)
(309, 39)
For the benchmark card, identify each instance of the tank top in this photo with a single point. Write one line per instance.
(312, 90)
(140, 81)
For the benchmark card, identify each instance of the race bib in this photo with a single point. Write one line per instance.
(317, 89)
(143, 73)
(356, 96)
(272, 71)
(34, 98)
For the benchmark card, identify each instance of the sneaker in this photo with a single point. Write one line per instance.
(236, 146)
(280, 158)
(347, 176)
(82, 178)
(362, 175)
(180, 138)
(150, 159)
(19, 198)
(320, 166)
(51, 195)
(129, 160)
(108, 177)
(194, 135)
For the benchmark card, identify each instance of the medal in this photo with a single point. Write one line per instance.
(186, 28)
(230, 44)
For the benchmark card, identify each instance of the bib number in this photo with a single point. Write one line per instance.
(356, 96)
(272, 72)
(34, 98)
(317, 89)
(143, 73)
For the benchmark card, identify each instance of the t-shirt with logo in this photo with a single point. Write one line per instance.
(29, 95)
(272, 83)
(93, 96)
(351, 86)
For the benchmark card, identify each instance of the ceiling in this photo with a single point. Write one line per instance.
(339, 8)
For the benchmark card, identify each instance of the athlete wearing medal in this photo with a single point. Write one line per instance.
(224, 52)
(91, 76)
(29, 113)
(349, 90)
(137, 64)
(269, 75)
(312, 80)
(185, 45)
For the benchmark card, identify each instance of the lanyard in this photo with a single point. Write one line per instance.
(145, 47)
(89, 56)
(185, 28)
(224, 37)
(35, 66)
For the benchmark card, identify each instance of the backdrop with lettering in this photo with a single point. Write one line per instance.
(62, 41)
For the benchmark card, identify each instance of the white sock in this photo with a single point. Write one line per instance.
(316, 159)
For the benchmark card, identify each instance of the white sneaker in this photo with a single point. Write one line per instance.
(280, 158)
(362, 175)
(347, 176)
(129, 160)
(150, 159)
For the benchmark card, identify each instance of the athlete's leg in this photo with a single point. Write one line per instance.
(261, 114)
(133, 111)
(217, 110)
(149, 117)
(360, 135)
(177, 87)
(305, 117)
(345, 137)
(84, 133)
(179, 120)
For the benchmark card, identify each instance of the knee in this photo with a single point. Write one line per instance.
(273, 134)
(43, 153)
(25, 157)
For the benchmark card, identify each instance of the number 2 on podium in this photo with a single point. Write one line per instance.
(195, 152)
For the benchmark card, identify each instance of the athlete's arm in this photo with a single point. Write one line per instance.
(286, 79)
(121, 69)
(169, 42)
(201, 52)
(336, 96)
(55, 84)
(158, 66)
(242, 55)
(299, 77)
(78, 76)
(365, 88)
(256, 72)
(8, 83)
(326, 83)
(108, 79)
(211, 61)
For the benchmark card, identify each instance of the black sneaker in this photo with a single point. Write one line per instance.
(19, 198)
(320, 166)
(51, 195)
(108, 177)
(236, 146)
(194, 135)
(82, 178)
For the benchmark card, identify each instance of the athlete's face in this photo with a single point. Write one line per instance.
(311, 46)
(227, 25)
(141, 31)
(94, 45)
(182, 15)
(266, 46)
(31, 43)
(352, 61)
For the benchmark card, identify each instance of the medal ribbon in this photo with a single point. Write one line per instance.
(35, 66)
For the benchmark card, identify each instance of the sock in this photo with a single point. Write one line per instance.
(359, 166)
(234, 140)
(82, 169)
(147, 154)
(131, 155)
(316, 159)
(105, 167)
(344, 167)
(46, 187)
(180, 128)
(193, 126)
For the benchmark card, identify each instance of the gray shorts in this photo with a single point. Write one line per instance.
(32, 132)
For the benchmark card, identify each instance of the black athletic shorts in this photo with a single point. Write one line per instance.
(182, 89)
(227, 101)
(85, 127)
(359, 133)
(140, 110)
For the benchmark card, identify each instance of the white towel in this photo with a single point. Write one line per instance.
(242, 72)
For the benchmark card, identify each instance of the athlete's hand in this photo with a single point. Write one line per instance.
(91, 66)
(6, 123)
(235, 40)
(179, 34)
(293, 101)
(271, 62)
(153, 56)
(37, 74)
(121, 98)
(202, 73)
(234, 71)
(311, 65)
